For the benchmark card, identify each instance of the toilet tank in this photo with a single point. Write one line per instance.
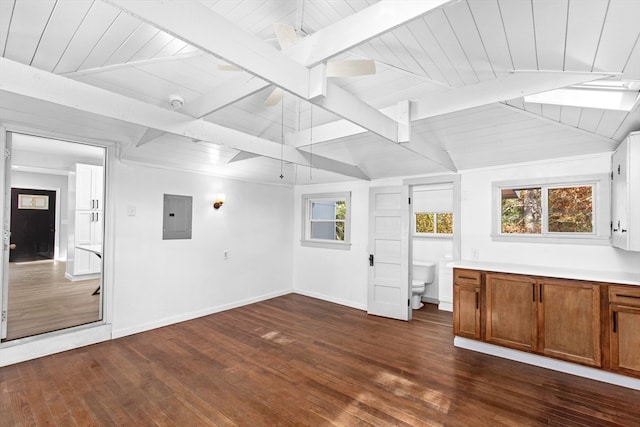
(423, 271)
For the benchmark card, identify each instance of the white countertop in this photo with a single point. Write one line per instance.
(563, 273)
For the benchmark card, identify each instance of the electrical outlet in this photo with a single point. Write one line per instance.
(225, 254)
(475, 253)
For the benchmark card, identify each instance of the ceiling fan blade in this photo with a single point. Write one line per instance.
(274, 98)
(285, 34)
(351, 67)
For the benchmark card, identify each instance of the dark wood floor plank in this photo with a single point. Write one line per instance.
(295, 360)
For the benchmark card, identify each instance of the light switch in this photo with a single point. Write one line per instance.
(131, 210)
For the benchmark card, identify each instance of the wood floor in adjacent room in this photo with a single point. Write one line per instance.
(42, 300)
(295, 360)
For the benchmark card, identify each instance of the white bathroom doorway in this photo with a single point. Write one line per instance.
(434, 233)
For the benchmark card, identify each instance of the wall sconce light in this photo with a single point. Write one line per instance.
(219, 201)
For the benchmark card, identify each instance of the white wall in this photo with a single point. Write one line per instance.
(49, 182)
(477, 211)
(341, 276)
(157, 282)
(334, 274)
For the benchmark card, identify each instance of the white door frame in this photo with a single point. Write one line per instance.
(5, 190)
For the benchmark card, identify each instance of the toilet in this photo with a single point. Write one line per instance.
(422, 274)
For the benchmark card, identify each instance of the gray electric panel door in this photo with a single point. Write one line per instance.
(176, 218)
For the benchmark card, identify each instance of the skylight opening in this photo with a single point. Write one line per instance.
(600, 94)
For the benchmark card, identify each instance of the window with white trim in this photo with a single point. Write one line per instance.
(326, 220)
(561, 210)
(433, 223)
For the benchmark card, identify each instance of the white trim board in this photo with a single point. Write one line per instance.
(548, 363)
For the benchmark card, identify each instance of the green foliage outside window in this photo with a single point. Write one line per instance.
(434, 222)
(522, 211)
(341, 216)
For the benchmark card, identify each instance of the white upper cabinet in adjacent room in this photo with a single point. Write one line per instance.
(89, 181)
(625, 194)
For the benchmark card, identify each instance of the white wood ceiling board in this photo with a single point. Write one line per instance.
(172, 48)
(111, 42)
(552, 112)
(632, 68)
(611, 122)
(460, 18)
(396, 52)
(550, 18)
(569, 115)
(6, 12)
(620, 33)
(261, 19)
(151, 48)
(428, 41)
(533, 108)
(517, 102)
(140, 85)
(28, 22)
(428, 67)
(183, 74)
(488, 19)
(518, 25)
(583, 33)
(130, 43)
(448, 41)
(94, 26)
(590, 119)
(631, 123)
(65, 19)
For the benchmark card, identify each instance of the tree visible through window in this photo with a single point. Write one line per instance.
(434, 222)
(326, 219)
(568, 210)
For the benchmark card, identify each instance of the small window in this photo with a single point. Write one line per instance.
(434, 223)
(568, 208)
(326, 220)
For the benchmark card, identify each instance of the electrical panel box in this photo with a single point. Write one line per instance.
(176, 217)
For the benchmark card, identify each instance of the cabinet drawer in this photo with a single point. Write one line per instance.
(468, 277)
(625, 295)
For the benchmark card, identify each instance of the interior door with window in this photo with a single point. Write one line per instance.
(388, 284)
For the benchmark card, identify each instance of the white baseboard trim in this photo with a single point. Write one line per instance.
(430, 300)
(445, 306)
(81, 277)
(546, 362)
(24, 349)
(118, 333)
(328, 298)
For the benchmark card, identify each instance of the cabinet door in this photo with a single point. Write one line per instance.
(511, 311)
(569, 321)
(84, 187)
(619, 189)
(625, 339)
(466, 311)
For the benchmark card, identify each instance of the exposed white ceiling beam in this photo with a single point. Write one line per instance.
(199, 26)
(509, 86)
(27, 81)
(358, 28)
(195, 24)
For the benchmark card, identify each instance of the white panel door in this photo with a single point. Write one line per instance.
(388, 293)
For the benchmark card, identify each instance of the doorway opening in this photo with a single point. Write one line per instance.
(53, 210)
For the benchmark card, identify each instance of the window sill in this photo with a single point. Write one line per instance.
(432, 236)
(569, 240)
(327, 245)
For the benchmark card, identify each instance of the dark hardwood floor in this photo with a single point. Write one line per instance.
(295, 360)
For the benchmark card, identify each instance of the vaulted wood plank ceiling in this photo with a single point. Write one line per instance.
(448, 92)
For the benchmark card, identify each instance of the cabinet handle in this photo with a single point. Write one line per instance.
(97, 204)
(533, 292)
(540, 292)
(477, 306)
(615, 322)
(623, 231)
(97, 216)
(466, 277)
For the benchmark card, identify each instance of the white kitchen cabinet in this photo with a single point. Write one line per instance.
(89, 184)
(85, 244)
(625, 194)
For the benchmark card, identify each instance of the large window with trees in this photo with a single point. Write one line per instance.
(326, 220)
(553, 209)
